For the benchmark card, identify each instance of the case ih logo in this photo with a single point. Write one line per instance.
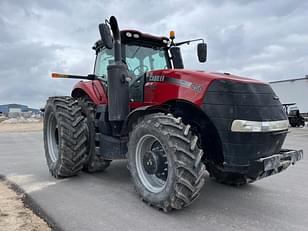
(155, 78)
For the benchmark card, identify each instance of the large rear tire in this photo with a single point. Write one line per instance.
(165, 162)
(65, 136)
(95, 163)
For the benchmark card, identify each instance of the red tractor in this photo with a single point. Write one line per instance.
(172, 124)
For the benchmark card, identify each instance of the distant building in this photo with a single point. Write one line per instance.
(7, 108)
(293, 91)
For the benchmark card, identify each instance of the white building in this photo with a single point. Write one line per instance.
(293, 91)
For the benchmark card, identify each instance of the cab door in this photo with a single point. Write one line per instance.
(139, 61)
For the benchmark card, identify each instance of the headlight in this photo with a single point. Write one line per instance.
(259, 126)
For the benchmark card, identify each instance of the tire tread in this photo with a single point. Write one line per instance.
(190, 171)
(72, 151)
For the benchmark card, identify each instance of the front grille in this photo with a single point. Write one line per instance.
(228, 100)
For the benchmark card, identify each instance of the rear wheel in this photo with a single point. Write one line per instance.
(95, 163)
(165, 162)
(65, 136)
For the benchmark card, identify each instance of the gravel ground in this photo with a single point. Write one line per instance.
(14, 215)
(21, 127)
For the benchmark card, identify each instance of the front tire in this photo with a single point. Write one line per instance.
(65, 137)
(165, 162)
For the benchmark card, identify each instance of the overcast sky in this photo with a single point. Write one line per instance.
(266, 40)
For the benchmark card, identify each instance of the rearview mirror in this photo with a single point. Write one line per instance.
(202, 52)
(106, 36)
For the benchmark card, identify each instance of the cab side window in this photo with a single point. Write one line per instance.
(104, 58)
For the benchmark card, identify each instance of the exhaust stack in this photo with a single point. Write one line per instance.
(118, 92)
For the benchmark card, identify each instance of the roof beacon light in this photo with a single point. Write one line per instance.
(136, 35)
(172, 34)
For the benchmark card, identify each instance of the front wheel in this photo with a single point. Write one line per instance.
(165, 162)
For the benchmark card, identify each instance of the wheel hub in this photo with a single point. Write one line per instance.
(150, 162)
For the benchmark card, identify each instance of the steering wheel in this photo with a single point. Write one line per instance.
(141, 70)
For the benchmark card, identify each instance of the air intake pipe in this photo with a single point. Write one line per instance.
(118, 92)
(116, 39)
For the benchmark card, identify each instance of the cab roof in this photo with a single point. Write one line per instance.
(137, 37)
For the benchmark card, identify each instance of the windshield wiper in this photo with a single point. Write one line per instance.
(136, 51)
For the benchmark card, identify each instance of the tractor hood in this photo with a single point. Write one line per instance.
(186, 84)
(200, 76)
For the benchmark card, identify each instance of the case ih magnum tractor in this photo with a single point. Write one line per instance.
(172, 124)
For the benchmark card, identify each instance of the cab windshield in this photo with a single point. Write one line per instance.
(140, 59)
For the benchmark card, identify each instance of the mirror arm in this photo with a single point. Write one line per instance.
(189, 41)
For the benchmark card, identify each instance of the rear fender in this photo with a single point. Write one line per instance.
(94, 89)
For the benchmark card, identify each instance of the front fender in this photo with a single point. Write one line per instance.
(139, 112)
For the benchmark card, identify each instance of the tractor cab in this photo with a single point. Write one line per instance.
(141, 53)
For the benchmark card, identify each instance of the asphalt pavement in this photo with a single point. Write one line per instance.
(107, 201)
